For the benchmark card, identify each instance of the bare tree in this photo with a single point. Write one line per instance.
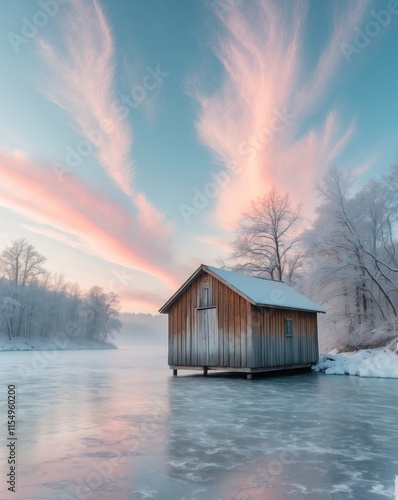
(22, 263)
(265, 243)
(54, 281)
(102, 313)
(112, 310)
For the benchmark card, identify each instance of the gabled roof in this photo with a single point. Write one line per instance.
(257, 291)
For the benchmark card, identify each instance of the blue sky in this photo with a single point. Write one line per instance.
(254, 93)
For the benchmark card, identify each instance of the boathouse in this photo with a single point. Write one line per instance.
(224, 320)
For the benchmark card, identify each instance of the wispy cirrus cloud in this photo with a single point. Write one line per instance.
(256, 120)
(82, 82)
(86, 219)
(345, 17)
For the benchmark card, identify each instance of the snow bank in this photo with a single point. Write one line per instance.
(365, 363)
(40, 344)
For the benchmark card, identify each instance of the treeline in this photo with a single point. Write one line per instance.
(347, 261)
(36, 303)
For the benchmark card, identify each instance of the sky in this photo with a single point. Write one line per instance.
(134, 134)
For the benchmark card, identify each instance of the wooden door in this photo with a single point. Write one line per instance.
(289, 352)
(208, 336)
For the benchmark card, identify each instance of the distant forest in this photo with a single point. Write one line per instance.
(37, 303)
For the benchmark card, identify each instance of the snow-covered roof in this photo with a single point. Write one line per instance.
(258, 291)
(264, 292)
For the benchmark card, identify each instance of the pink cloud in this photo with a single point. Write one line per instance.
(252, 123)
(150, 217)
(82, 83)
(86, 219)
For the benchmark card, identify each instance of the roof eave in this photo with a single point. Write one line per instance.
(291, 308)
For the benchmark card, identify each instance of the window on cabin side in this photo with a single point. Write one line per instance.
(288, 327)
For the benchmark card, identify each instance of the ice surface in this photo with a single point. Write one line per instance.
(116, 425)
(365, 363)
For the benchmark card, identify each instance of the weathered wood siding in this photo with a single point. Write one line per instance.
(270, 345)
(230, 332)
(228, 321)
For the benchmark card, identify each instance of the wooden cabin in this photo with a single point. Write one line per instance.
(224, 320)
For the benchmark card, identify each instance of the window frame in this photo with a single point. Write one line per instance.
(205, 295)
(205, 298)
(288, 330)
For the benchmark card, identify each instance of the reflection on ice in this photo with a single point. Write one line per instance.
(115, 424)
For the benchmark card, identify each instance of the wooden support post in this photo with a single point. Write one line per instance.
(249, 376)
(205, 371)
(174, 373)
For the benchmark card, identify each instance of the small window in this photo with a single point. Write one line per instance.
(205, 296)
(288, 327)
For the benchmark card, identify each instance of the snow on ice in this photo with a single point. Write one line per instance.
(381, 363)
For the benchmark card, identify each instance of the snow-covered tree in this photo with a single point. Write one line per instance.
(50, 308)
(352, 251)
(100, 313)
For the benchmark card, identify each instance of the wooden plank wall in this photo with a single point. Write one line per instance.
(247, 336)
(272, 348)
(233, 323)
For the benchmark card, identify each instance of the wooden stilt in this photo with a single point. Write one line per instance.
(249, 376)
(205, 371)
(174, 373)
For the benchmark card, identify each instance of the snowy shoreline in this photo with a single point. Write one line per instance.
(377, 363)
(63, 344)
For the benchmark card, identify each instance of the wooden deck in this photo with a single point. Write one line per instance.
(248, 371)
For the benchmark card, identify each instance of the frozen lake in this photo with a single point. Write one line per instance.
(116, 425)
